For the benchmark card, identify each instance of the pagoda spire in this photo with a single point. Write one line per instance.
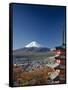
(63, 37)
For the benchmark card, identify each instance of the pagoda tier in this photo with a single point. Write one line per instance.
(60, 52)
(62, 62)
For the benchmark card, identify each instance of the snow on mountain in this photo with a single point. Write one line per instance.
(32, 44)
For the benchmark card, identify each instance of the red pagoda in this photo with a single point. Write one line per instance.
(61, 58)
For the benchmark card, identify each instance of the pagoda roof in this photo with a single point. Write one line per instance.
(61, 47)
(62, 57)
(61, 67)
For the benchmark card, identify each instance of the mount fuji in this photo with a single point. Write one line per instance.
(32, 47)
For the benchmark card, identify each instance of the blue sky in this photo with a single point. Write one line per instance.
(43, 24)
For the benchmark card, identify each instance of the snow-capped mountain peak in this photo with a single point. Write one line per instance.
(33, 44)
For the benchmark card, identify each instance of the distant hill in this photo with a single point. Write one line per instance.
(30, 50)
